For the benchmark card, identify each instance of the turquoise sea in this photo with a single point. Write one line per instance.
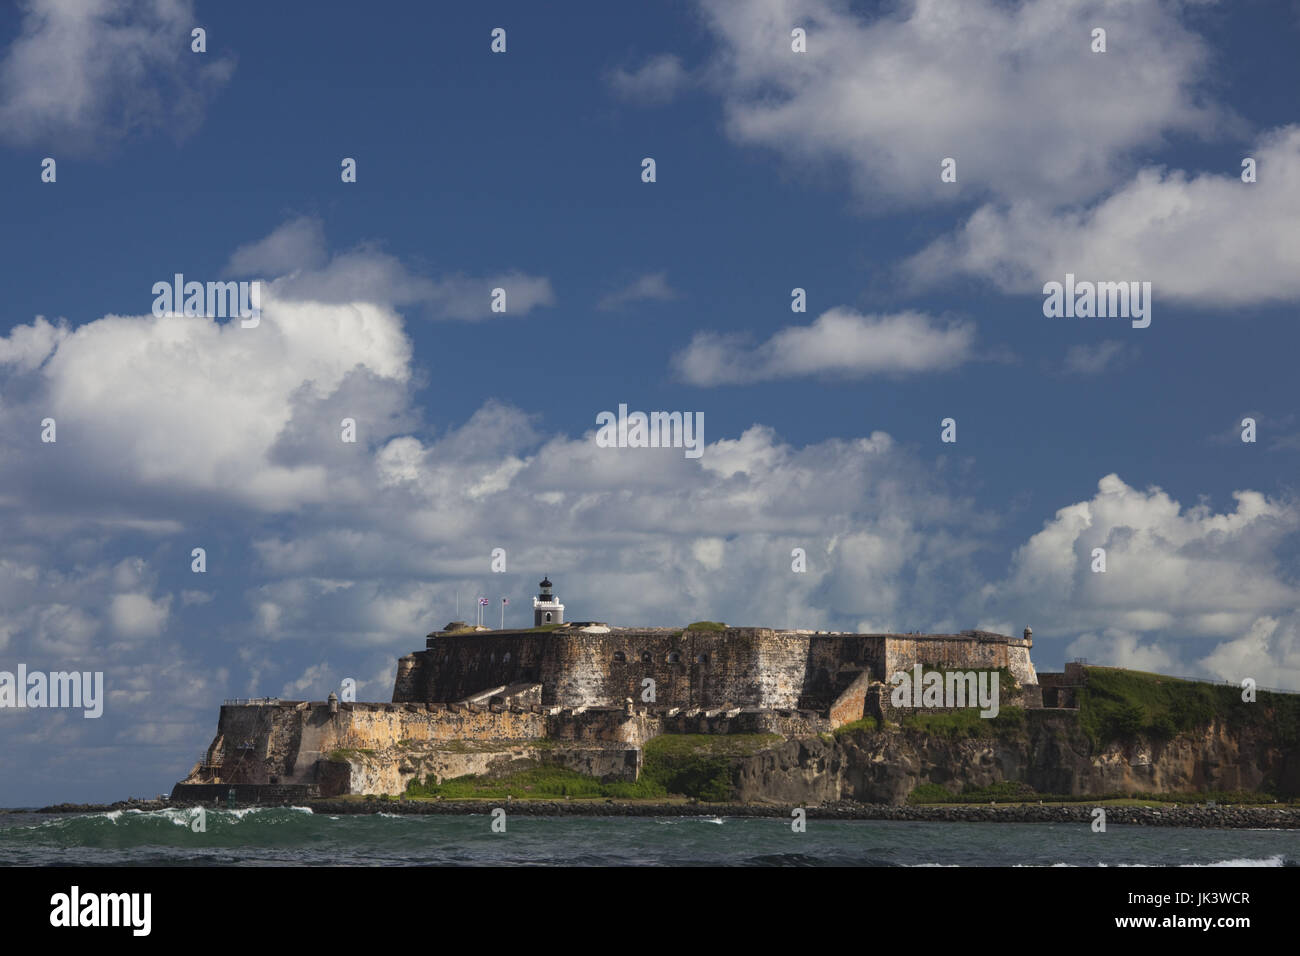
(296, 836)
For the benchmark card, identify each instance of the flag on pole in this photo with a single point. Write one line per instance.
(483, 601)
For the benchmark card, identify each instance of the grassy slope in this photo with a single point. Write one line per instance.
(1116, 706)
(690, 765)
(1119, 705)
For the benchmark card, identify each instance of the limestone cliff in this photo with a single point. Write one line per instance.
(1052, 755)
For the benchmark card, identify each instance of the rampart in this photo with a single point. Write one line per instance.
(587, 697)
(747, 667)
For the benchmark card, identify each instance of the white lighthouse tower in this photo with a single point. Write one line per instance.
(547, 608)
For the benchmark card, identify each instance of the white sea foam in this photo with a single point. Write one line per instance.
(1277, 860)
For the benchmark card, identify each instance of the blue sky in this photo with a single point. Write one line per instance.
(775, 170)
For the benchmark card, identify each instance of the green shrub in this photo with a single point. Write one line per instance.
(930, 793)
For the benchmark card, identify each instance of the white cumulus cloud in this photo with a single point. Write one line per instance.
(838, 343)
(1012, 92)
(85, 73)
(1205, 240)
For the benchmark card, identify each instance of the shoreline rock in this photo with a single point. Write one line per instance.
(1080, 814)
(142, 805)
(1200, 816)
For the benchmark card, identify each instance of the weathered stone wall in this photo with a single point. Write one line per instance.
(834, 662)
(852, 704)
(458, 665)
(786, 723)
(740, 667)
(378, 748)
(975, 650)
(257, 742)
(1061, 689)
(736, 667)
(607, 724)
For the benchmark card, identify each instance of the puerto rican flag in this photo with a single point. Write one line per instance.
(483, 601)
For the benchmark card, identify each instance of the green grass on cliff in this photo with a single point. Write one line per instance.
(866, 725)
(958, 724)
(1120, 705)
(686, 765)
(538, 783)
(707, 626)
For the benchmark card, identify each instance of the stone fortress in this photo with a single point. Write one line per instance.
(586, 696)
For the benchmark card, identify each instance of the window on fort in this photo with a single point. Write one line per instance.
(619, 657)
(548, 616)
(506, 658)
(674, 657)
(646, 658)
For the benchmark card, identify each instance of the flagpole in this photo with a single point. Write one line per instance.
(503, 614)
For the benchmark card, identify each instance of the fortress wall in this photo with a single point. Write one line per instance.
(833, 663)
(736, 667)
(606, 725)
(852, 704)
(787, 723)
(739, 667)
(577, 669)
(255, 742)
(782, 663)
(730, 675)
(958, 651)
(289, 738)
(459, 665)
(238, 727)
(408, 673)
(377, 726)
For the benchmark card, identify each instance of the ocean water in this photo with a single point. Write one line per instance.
(292, 835)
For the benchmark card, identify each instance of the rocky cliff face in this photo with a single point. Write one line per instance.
(1051, 755)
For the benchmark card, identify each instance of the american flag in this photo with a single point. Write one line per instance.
(483, 601)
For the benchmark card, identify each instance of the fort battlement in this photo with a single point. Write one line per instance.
(584, 695)
(752, 667)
